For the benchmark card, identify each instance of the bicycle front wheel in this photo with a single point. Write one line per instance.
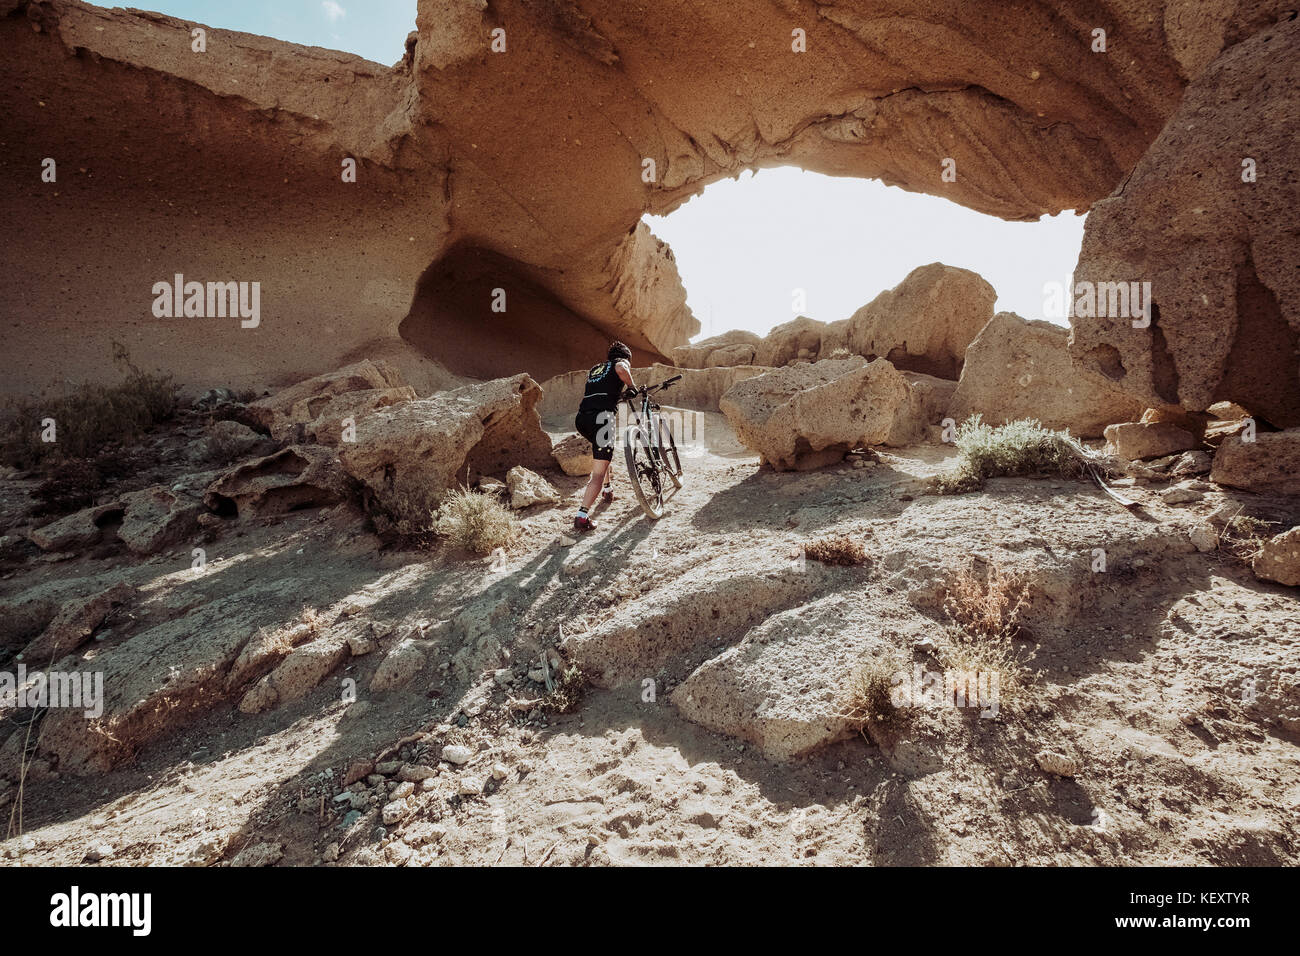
(672, 462)
(644, 472)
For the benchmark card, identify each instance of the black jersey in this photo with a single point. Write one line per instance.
(603, 389)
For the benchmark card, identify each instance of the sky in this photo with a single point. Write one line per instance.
(375, 29)
(744, 246)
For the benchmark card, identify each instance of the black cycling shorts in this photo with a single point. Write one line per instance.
(599, 429)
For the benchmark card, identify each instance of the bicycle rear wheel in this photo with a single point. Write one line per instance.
(644, 472)
(672, 462)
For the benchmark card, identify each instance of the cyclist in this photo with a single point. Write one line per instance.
(596, 421)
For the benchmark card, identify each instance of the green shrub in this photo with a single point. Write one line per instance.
(1016, 448)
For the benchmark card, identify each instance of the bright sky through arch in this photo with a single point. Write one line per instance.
(745, 245)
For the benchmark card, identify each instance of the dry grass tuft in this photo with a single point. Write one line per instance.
(985, 611)
(838, 549)
(570, 686)
(867, 696)
(476, 521)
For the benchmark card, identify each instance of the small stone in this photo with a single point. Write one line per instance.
(388, 767)
(500, 771)
(358, 770)
(1181, 496)
(331, 853)
(457, 754)
(1203, 537)
(393, 811)
(97, 853)
(1052, 762)
(469, 787)
(403, 790)
(352, 817)
(414, 773)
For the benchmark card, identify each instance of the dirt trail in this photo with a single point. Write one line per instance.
(1139, 679)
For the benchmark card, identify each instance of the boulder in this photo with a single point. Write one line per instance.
(1279, 559)
(806, 416)
(301, 403)
(782, 687)
(925, 323)
(1137, 440)
(573, 454)
(1022, 370)
(798, 339)
(228, 440)
(528, 488)
(1269, 464)
(399, 666)
(303, 668)
(322, 421)
(158, 517)
(736, 347)
(300, 476)
(78, 531)
(418, 450)
(74, 623)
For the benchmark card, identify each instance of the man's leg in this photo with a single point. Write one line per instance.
(598, 469)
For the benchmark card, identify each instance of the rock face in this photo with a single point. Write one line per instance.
(1134, 440)
(791, 342)
(1017, 369)
(806, 416)
(1269, 464)
(736, 347)
(1279, 559)
(300, 476)
(1208, 219)
(548, 145)
(305, 402)
(418, 450)
(926, 322)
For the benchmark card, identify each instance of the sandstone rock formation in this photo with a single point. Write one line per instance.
(300, 476)
(573, 455)
(925, 323)
(1208, 219)
(806, 416)
(1017, 369)
(520, 171)
(1270, 463)
(736, 347)
(304, 402)
(798, 339)
(699, 389)
(418, 450)
(1136, 440)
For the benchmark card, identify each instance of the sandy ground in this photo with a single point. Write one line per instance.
(1138, 676)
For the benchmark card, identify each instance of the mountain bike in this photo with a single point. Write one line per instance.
(651, 453)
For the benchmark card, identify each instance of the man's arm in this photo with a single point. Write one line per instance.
(624, 370)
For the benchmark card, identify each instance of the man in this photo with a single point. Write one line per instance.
(597, 422)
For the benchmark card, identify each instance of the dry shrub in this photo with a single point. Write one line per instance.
(985, 611)
(1243, 535)
(987, 605)
(840, 353)
(89, 419)
(570, 685)
(404, 512)
(1016, 448)
(866, 701)
(838, 549)
(476, 521)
